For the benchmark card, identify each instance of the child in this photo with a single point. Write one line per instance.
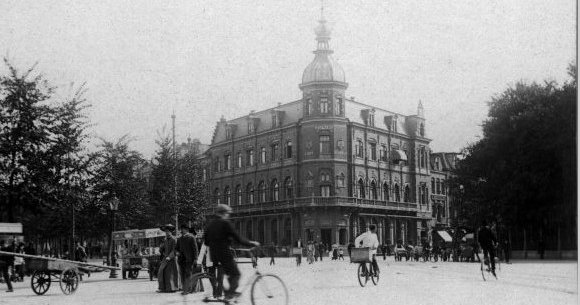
(340, 254)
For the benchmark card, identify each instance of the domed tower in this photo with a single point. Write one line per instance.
(323, 82)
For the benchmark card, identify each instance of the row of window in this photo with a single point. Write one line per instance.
(226, 163)
(438, 186)
(372, 153)
(325, 106)
(255, 195)
(374, 194)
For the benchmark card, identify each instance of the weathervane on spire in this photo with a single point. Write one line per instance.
(321, 9)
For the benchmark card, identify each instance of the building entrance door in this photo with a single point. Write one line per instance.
(326, 236)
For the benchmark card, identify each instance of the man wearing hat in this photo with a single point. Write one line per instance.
(187, 253)
(168, 276)
(218, 237)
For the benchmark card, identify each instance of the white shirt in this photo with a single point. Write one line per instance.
(368, 239)
(204, 251)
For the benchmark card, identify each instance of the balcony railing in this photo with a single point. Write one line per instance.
(320, 202)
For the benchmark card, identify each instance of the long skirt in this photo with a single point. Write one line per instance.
(168, 276)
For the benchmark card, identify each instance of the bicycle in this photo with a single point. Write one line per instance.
(265, 288)
(485, 266)
(363, 257)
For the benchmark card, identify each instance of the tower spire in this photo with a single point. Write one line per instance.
(321, 9)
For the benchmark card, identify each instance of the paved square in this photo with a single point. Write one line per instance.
(335, 282)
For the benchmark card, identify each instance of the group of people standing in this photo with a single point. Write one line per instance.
(178, 258)
(313, 251)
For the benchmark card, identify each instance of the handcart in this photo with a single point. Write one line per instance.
(47, 270)
(140, 250)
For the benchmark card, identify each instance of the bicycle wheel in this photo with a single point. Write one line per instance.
(362, 274)
(374, 275)
(269, 289)
(483, 268)
(205, 285)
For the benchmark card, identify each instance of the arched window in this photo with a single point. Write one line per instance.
(289, 149)
(340, 180)
(308, 107)
(239, 159)
(338, 108)
(442, 186)
(374, 194)
(288, 188)
(262, 191)
(433, 184)
(385, 192)
(438, 186)
(217, 196)
(361, 188)
(407, 193)
(238, 194)
(397, 193)
(250, 193)
(324, 106)
(227, 196)
(275, 190)
(251, 157)
(263, 155)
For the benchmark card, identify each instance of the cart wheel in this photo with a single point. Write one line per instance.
(69, 281)
(40, 282)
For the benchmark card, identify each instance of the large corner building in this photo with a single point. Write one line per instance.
(324, 167)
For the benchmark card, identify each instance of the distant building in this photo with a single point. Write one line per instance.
(326, 166)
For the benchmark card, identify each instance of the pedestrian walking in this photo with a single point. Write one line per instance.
(187, 253)
(384, 250)
(321, 250)
(506, 250)
(272, 253)
(298, 245)
(5, 262)
(168, 276)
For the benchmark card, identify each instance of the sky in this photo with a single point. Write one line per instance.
(141, 61)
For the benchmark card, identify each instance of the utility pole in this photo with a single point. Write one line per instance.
(175, 175)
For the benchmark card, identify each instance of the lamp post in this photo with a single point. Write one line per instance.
(113, 206)
(458, 216)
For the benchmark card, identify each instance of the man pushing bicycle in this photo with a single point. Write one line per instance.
(219, 235)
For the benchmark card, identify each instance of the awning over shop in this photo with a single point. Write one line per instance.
(399, 155)
(10, 228)
(446, 237)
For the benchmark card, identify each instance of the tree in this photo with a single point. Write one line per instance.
(523, 170)
(177, 186)
(43, 162)
(120, 174)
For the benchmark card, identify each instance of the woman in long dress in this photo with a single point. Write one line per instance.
(168, 275)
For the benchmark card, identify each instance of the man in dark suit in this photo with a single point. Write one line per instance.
(187, 249)
(5, 262)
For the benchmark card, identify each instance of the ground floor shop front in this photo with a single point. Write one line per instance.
(330, 226)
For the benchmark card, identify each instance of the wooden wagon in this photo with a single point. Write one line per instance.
(46, 270)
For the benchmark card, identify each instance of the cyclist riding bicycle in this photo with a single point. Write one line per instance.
(218, 237)
(487, 242)
(369, 239)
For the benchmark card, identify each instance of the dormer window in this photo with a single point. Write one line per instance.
(394, 124)
(251, 126)
(422, 129)
(308, 107)
(371, 119)
(437, 164)
(228, 133)
(324, 106)
(274, 120)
